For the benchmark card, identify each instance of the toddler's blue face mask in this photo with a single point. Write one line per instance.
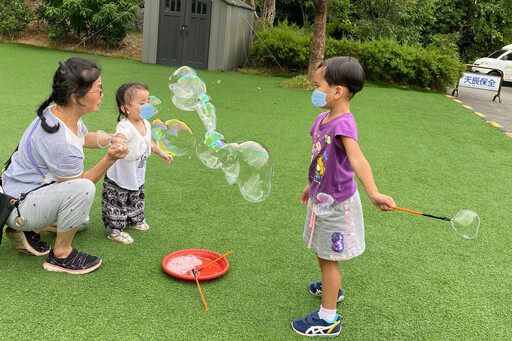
(147, 111)
(319, 98)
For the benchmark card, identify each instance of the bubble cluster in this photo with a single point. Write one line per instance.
(173, 137)
(246, 163)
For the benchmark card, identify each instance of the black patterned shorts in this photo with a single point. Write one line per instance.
(121, 207)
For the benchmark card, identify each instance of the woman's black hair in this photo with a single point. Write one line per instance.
(124, 95)
(344, 71)
(74, 76)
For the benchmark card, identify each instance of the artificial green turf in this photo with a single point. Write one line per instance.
(416, 281)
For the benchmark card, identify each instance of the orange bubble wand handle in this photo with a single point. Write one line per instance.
(213, 261)
(200, 291)
(423, 214)
(406, 210)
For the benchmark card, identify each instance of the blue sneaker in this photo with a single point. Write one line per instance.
(313, 325)
(316, 289)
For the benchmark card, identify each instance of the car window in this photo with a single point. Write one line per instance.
(497, 54)
(507, 57)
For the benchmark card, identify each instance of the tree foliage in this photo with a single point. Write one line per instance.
(477, 26)
(470, 28)
(14, 16)
(106, 19)
(401, 20)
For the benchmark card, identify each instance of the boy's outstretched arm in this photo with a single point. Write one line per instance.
(364, 173)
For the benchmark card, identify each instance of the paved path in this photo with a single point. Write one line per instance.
(480, 101)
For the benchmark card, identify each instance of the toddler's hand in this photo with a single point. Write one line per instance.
(383, 202)
(166, 157)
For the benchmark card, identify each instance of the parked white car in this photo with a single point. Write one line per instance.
(501, 59)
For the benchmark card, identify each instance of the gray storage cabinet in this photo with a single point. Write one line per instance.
(203, 34)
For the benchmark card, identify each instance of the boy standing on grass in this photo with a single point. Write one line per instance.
(335, 158)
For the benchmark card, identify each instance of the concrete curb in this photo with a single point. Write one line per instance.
(495, 124)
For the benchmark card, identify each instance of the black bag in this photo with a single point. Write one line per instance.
(7, 204)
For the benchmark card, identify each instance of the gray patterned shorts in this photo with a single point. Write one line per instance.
(340, 235)
(68, 203)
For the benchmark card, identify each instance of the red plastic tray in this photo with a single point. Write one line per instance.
(213, 271)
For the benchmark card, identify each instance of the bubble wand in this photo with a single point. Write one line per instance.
(200, 291)
(465, 223)
(196, 273)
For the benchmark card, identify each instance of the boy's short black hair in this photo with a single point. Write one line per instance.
(345, 71)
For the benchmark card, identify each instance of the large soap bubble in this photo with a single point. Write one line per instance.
(246, 163)
(173, 137)
(206, 111)
(324, 205)
(182, 71)
(186, 88)
(156, 103)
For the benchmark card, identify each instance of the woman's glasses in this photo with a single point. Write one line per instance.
(99, 91)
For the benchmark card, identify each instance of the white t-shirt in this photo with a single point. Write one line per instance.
(130, 172)
(58, 154)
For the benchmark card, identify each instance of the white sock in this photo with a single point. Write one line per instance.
(327, 314)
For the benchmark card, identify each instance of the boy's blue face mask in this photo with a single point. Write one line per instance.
(147, 111)
(319, 98)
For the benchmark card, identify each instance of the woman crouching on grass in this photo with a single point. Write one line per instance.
(51, 151)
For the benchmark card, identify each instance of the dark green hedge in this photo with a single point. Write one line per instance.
(382, 60)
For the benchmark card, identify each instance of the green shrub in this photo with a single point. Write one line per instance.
(285, 44)
(14, 16)
(106, 19)
(382, 60)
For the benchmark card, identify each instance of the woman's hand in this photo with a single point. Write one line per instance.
(118, 150)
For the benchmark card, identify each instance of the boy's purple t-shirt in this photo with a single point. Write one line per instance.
(330, 171)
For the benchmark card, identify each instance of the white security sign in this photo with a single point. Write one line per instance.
(480, 81)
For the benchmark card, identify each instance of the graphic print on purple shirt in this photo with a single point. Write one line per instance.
(330, 171)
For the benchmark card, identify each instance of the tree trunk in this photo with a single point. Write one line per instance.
(316, 56)
(269, 11)
(253, 5)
